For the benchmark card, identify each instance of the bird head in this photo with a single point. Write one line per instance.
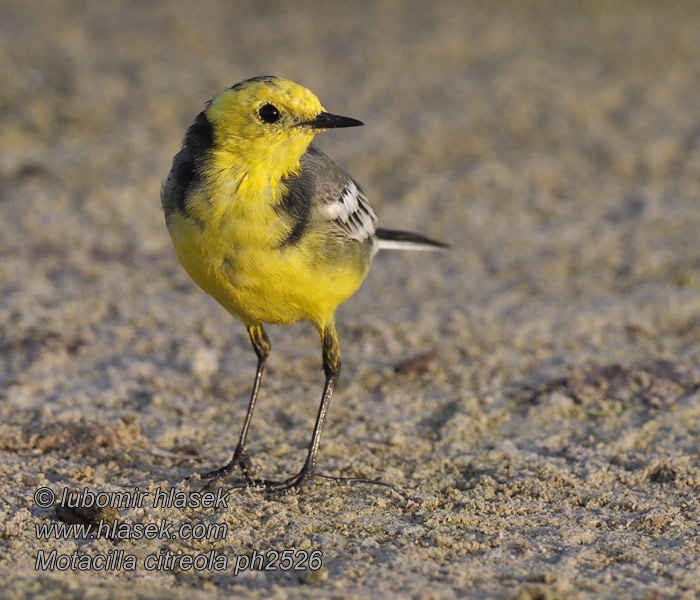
(265, 124)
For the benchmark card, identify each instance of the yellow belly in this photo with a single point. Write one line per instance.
(271, 285)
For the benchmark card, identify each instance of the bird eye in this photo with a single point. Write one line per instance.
(269, 113)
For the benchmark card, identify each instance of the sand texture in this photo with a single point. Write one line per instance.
(533, 393)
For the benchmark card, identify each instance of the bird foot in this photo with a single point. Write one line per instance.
(240, 459)
(304, 478)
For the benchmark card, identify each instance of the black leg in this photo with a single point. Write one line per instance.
(331, 367)
(262, 347)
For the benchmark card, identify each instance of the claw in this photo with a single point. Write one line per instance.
(304, 477)
(269, 485)
(240, 459)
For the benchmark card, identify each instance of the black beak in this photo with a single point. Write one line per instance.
(326, 120)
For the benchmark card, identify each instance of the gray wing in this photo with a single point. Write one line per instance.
(325, 189)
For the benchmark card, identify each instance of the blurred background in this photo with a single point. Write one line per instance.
(555, 145)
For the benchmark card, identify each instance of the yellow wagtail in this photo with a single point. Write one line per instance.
(271, 227)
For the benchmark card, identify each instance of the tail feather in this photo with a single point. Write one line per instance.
(389, 239)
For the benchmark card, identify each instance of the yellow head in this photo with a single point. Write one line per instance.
(263, 125)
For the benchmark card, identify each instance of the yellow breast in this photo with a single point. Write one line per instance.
(232, 251)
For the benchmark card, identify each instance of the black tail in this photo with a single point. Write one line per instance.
(406, 240)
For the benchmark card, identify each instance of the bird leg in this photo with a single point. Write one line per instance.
(262, 347)
(331, 367)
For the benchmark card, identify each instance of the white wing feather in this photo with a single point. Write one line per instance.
(353, 213)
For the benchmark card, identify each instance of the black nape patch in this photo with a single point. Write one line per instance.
(199, 140)
(183, 174)
(200, 135)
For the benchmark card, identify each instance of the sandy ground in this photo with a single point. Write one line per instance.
(545, 440)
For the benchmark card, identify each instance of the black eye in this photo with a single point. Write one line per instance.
(269, 113)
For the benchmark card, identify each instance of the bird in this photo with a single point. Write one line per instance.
(273, 229)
